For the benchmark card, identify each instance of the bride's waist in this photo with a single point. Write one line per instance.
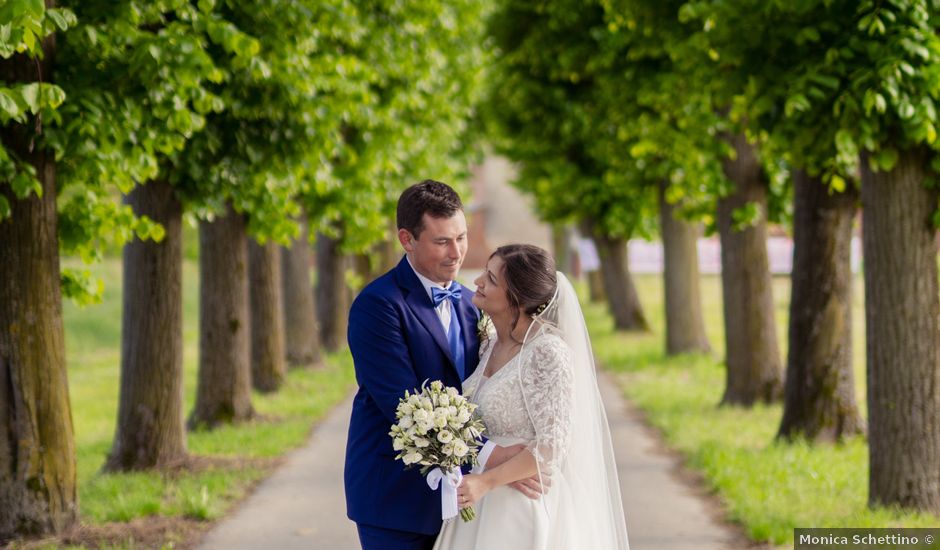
(506, 440)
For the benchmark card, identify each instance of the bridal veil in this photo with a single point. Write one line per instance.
(586, 511)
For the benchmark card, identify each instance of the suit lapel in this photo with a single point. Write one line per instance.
(420, 304)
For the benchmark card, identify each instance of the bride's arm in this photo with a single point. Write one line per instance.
(546, 385)
(474, 486)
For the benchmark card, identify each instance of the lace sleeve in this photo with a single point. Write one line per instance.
(546, 378)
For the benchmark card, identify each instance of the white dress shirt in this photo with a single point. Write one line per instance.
(445, 308)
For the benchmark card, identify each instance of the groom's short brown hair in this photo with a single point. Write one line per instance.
(434, 198)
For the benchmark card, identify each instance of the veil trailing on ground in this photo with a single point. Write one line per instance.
(585, 510)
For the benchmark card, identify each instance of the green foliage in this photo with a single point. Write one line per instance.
(825, 80)
(417, 69)
(24, 25)
(547, 111)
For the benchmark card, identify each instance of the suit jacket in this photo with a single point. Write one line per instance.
(397, 342)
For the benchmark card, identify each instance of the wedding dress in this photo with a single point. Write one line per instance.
(546, 397)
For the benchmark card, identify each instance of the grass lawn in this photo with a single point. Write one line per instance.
(769, 488)
(245, 453)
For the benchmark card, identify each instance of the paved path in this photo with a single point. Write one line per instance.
(302, 506)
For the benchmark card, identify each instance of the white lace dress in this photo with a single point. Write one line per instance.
(536, 381)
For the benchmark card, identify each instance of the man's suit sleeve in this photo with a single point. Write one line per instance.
(381, 357)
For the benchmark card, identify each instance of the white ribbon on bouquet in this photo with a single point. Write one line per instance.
(448, 482)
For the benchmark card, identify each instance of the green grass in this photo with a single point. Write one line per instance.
(770, 488)
(93, 351)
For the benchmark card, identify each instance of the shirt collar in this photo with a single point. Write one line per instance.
(427, 283)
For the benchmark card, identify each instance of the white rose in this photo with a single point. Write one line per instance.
(398, 444)
(448, 449)
(451, 391)
(406, 409)
(464, 416)
(445, 436)
(412, 457)
(444, 400)
(424, 426)
(420, 415)
(406, 422)
(440, 420)
(426, 404)
(421, 442)
(460, 448)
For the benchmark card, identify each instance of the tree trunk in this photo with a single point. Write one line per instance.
(332, 295)
(302, 334)
(618, 284)
(685, 327)
(596, 286)
(37, 449)
(150, 431)
(901, 326)
(595, 278)
(223, 390)
(268, 365)
(819, 399)
(753, 358)
(562, 251)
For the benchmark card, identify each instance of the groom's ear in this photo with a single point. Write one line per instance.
(406, 239)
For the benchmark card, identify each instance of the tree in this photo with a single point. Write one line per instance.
(753, 358)
(138, 75)
(698, 96)
(302, 335)
(870, 70)
(545, 112)
(268, 361)
(37, 451)
(332, 293)
(223, 392)
(685, 325)
(422, 68)
(820, 388)
(644, 133)
(820, 402)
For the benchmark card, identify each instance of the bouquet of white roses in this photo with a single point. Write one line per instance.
(437, 430)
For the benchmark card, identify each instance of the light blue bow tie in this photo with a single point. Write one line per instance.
(439, 294)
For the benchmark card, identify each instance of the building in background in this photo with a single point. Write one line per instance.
(499, 214)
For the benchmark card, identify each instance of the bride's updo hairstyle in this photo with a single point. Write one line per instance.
(529, 273)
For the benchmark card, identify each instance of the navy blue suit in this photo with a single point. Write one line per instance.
(397, 342)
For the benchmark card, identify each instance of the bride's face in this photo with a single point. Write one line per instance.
(491, 288)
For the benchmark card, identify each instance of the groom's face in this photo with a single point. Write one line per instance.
(440, 249)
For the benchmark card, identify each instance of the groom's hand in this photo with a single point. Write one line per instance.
(531, 487)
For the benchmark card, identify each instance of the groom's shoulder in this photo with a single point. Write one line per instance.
(384, 288)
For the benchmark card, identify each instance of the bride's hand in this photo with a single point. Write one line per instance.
(472, 489)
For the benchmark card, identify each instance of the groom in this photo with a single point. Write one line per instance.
(414, 323)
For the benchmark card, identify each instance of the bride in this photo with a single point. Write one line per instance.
(538, 388)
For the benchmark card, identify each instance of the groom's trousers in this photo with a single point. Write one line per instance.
(377, 538)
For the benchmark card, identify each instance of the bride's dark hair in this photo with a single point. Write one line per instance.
(529, 272)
